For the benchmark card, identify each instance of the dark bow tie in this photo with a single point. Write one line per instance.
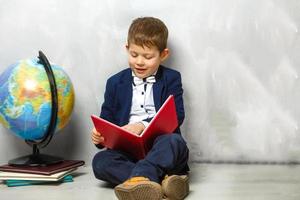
(139, 81)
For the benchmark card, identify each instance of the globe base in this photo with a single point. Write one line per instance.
(35, 160)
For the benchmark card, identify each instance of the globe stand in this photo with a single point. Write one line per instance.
(37, 159)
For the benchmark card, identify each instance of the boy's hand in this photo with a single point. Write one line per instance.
(136, 128)
(96, 137)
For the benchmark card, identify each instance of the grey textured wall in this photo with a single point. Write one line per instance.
(239, 61)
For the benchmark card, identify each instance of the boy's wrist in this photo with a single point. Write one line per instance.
(145, 123)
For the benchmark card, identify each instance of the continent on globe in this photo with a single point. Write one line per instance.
(25, 99)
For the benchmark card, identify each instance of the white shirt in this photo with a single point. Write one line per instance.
(142, 106)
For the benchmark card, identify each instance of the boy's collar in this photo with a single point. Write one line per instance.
(154, 74)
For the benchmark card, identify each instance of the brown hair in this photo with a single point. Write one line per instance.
(148, 31)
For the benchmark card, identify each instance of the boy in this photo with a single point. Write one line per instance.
(132, 97)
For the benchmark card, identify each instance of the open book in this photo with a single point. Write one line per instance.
(164, 122)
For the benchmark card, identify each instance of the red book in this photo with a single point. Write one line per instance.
(44, 170)
(164, 122)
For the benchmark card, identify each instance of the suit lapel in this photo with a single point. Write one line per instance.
(125, 96)
(158, 87)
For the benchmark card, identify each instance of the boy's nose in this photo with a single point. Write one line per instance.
(140, 61)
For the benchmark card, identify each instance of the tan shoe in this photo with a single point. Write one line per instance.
(139, 188)
(175, 187)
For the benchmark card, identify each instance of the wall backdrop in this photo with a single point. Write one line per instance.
(239, 61)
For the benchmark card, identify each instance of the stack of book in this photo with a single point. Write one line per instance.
(32, 175)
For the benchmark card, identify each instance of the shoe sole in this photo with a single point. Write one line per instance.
(176, 187)
(142, 191)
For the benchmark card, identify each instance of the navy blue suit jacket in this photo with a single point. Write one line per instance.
(118, 95)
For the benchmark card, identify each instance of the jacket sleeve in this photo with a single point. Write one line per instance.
(107, 109)
(108, 106)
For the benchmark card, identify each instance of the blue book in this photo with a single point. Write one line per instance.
(13, 183)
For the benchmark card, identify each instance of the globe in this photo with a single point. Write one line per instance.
(25, 99)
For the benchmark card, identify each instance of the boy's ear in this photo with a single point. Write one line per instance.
(164, 54)
(127, 47)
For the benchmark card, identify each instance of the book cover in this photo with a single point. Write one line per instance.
(14, 183)
(164, 122)
(35, 177)
(45, 170)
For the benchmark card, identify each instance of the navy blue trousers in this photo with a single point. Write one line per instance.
(169, 155)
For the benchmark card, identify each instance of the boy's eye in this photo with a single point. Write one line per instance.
(148, 57)
(134, 55)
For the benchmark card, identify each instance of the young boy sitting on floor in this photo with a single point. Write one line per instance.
(132, 97)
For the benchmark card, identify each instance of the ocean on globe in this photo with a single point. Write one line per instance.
(25, 99)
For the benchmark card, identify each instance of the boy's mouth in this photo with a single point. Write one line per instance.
(140, 71)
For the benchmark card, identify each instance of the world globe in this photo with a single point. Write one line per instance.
(25, 99)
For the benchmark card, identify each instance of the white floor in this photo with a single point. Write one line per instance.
(208, 182)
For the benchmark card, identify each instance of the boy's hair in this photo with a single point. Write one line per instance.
(148, 31)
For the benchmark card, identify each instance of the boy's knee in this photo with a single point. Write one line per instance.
(175, 139)
(101, 159)
(100, 162)
(178, 143)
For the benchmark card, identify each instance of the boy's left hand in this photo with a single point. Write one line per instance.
(136, 128)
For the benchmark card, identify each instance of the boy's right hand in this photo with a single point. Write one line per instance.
(96, 137)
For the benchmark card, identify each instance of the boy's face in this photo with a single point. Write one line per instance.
(144, 61)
